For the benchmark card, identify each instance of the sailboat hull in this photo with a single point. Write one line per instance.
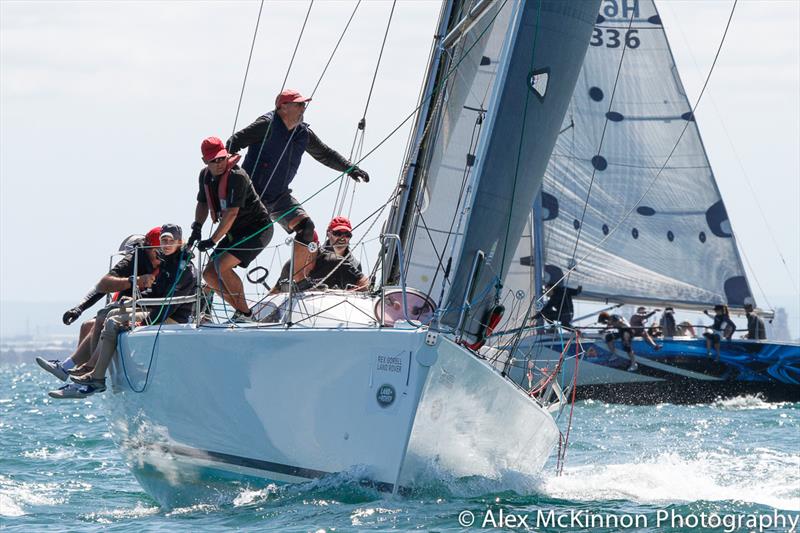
(201, 411)
(681, 371)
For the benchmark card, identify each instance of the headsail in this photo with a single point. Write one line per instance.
(513, 73)
(677, 245)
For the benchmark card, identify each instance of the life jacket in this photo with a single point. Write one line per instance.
(219, 203)
(273, 166)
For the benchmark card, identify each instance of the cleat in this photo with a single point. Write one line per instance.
(54, 367)
(633, 368)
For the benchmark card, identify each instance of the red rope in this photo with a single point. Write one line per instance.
(555, 372)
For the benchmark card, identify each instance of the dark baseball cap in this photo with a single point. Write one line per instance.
(173, 230)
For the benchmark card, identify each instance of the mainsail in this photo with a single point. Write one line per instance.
(613, 157)
(512, 71)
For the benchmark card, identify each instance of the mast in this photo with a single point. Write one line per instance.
(400, 217)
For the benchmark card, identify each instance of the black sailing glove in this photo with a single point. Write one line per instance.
(71, 316)
(206, 244)
(359, 175)
(197, 233)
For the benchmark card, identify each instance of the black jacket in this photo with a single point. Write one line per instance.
(175, 270)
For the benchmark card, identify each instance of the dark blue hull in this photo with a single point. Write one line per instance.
(681, 371)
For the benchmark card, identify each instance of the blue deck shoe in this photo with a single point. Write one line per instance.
(54, 367)
(76, 391)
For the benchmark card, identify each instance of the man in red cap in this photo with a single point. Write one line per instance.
(244, 229)
(333, 265)
(119, 279)
(275, 145)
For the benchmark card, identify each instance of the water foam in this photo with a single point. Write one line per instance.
(15, 496)
(116, 515)
(668, 478)
(748, 402)
(251, 497)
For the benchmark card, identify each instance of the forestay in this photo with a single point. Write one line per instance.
(677, 245)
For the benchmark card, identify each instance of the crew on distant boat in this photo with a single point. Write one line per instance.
(559, 307)
(723, 327)
(274, 150)
(686, 329)
(638, 324)
(756, 329)
(333, 265)
(244, 229)
(668, 326)
(176, 277)
(623, 332)
(118, 279)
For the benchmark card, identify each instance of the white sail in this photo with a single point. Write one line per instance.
(513, 72)
(474, 60)
(677, 245)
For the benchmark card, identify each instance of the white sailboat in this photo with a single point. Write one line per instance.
(324, 383)
(631, 212)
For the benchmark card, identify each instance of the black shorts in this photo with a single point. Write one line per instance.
(621, 335)
(284, 209)
(244, 249)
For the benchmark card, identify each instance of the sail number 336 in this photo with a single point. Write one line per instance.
(613, 38)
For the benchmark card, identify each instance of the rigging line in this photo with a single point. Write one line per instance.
(441, 83)
(283, 86)
(467, 172)
(321, 76)
(666, 161)
(360, 241)
(353, 190)
(750, 266)
(362, 123)
(247, 69)
(747, 180)
(516, 176)
(353, 14)
(380, 55)
(594, 170)
(343, 181)
(521, 138)
(408, 117)
(297, 45)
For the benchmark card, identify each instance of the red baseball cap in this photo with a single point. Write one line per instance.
(152, 237)
(212, 148)
(289, 95)
(340, 223)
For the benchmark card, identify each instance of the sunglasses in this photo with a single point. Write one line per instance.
(341, 234)
(218, 160)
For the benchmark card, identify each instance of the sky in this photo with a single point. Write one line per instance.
(103, 106)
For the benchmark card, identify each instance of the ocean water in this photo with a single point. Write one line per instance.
(732, 465)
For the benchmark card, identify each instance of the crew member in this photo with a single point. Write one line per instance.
(275, 145)
(244, 229)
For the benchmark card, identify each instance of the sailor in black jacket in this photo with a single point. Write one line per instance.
(276, 142)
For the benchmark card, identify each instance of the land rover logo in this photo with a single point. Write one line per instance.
(385, 395)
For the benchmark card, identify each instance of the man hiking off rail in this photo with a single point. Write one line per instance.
(275, 145)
